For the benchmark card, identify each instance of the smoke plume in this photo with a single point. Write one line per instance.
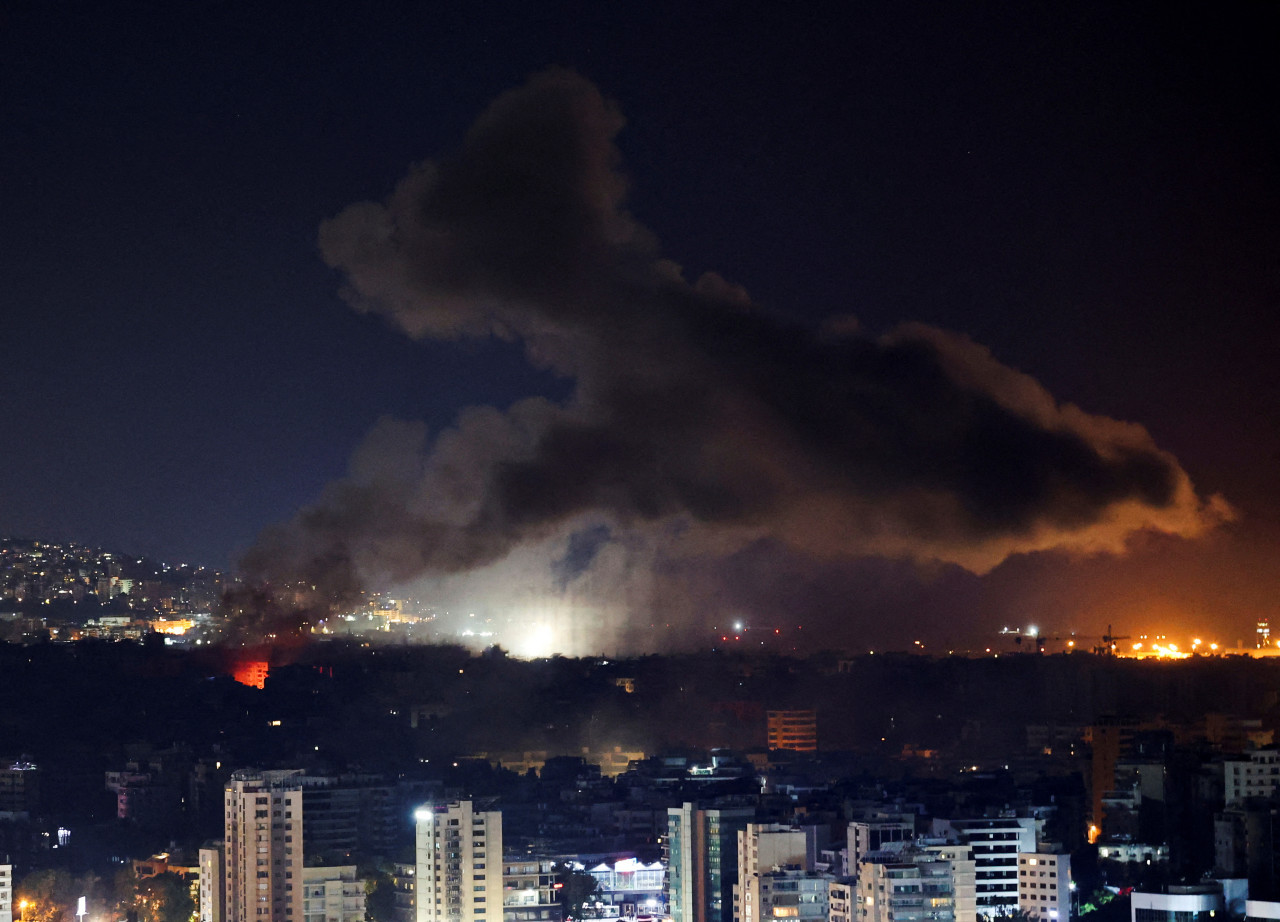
(699, 423)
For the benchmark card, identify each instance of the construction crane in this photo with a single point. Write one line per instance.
(1018, 633)
(1105, 647)
(1108, 645)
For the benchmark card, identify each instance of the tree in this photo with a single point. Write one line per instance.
(52, 895)
(1005, 914)
(163, 898)
(379, 896)
(49, 896)
(577, 889)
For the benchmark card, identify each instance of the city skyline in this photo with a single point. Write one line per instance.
(1078, 203)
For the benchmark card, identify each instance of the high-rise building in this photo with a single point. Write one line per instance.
(351, 815)
(1110, 739)
(763, 848)
(263, 847)
(212, 884)
(796, 730)
(702, 864)
(19, 787)
(996, 844)
(458, 873)
(1044, 886)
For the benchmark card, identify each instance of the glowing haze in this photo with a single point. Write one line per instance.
(700, 427)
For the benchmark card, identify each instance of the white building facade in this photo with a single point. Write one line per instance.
(1256, 775)
(917, 888)
(332, 894)
(213, 884)
(1180, 904)
(629, 888)
(793, 894)
(458, 868)
(763, 848)
(530, 893)
(6, 893)
(842, 900)
(1044, 886)
(873, 835)
(996, 844)
(964, 888)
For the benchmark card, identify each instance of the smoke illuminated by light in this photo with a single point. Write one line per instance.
(537, 641)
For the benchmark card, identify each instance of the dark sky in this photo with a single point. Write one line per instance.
(1087, 190)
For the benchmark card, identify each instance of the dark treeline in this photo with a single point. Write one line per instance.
(385, 707)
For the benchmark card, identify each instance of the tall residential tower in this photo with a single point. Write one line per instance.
(263, 847)
(458, 874)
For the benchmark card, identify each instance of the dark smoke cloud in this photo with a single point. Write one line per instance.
(699, 421)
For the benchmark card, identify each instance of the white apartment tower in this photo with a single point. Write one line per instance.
(213, 886)
(458, 874)
(1044, 886)
(263, 847)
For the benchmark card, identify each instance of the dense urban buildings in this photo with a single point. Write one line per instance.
(356, 742)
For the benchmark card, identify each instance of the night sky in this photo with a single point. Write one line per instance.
(1088, 191)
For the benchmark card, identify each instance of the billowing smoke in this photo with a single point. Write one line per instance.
(699, 424)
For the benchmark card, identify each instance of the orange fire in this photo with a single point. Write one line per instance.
(252, 673)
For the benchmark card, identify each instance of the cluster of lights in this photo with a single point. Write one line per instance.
(1146, 646)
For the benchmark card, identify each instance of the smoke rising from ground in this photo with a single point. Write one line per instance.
(700, 424)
